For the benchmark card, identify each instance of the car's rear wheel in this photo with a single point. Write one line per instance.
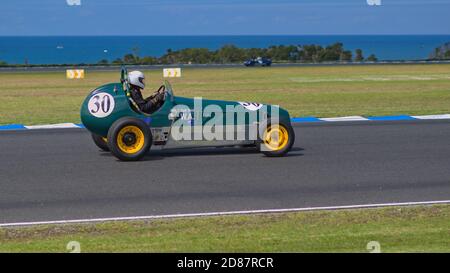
(276, 139)
(129, 139)
(101, 142)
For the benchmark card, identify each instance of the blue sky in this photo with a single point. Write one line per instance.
(223, 17)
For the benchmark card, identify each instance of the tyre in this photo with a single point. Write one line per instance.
(101, 142)
(277, 139)
(129, 139)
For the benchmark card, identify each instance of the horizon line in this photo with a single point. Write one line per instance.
(218, 35)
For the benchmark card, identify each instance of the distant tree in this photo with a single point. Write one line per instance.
(442, 52)
(346, 56)
(104, 61)
(437, 52)
(192, 55)
(293, 56)
(291, 53)
(148, 60)
(230, 54)
(3, 63)
(252, 53)
(310, 53)
(130, 59)
(331, 53)
(117, 61)
(282, 53)
(359, 55)
(167, 58)
(447, 54)
(372, 58)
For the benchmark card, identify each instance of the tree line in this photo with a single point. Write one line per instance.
(441, 53)
(234, 54)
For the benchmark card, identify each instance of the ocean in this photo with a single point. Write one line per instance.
(82, 49)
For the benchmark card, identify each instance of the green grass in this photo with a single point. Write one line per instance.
(36, 98)
(397, 229)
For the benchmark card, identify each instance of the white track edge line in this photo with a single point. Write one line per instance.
(350, 118)
(431, 117)
(152, 217)
(51, 126)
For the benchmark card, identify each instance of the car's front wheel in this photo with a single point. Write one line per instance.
(101, 142)
(129, 139)
(276, 139)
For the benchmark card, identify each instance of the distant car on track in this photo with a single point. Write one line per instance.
(117, 125)
(260, 61)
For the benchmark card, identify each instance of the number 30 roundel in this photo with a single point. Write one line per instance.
(101, 105)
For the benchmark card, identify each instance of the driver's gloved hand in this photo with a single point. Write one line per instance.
(157, 98)
(155, 94)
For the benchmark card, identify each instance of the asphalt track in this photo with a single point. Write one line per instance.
(48, 175)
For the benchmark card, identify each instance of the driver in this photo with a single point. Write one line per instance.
(137, 84)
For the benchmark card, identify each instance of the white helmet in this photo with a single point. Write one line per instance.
(137, 78)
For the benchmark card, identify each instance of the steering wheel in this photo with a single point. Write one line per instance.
(163, 88)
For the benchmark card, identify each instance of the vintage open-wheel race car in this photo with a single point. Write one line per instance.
(117, 125)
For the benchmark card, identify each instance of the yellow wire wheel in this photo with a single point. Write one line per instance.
(276, 140)
(130, 139)
(276, 137)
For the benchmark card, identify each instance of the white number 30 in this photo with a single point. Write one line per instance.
(101, 105)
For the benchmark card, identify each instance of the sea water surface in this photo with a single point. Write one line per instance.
(84, 49)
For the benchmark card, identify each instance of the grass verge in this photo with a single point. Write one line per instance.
(38, 98)
(397, 229)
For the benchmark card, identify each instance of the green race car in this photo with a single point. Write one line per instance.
(117, 125)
